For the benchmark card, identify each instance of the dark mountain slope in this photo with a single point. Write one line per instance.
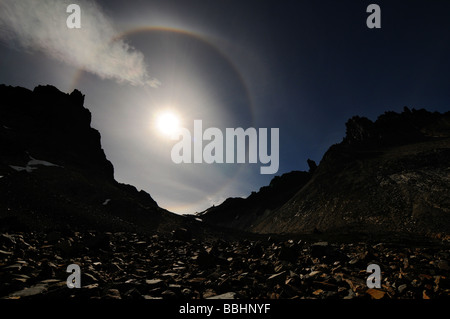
(240, 213)
(391, 175)
(54, 173)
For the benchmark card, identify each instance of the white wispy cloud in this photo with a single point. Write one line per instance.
(40, 26)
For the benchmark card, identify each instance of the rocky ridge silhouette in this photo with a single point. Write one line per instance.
(391, 175)
(54, 172)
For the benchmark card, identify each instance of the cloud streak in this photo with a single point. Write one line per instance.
(40, 26)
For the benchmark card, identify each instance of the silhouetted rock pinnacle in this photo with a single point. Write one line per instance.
(54, 172)
(52, 125)
(390, 175)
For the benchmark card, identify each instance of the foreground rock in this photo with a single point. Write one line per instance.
(131, 266)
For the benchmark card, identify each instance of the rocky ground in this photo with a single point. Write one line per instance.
(132, 266)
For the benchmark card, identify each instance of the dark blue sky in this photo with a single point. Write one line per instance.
(304, 67)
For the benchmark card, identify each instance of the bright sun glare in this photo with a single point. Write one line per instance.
(168, 123)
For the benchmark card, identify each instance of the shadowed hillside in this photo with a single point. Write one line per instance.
(242, 213)
(54, 172)
(391, 175)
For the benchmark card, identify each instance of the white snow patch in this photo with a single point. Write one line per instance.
(29, 169)
(199, 219)
(106, 202)
(1, 176)
(31, 165)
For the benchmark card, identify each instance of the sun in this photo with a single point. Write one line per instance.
(168, 123)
